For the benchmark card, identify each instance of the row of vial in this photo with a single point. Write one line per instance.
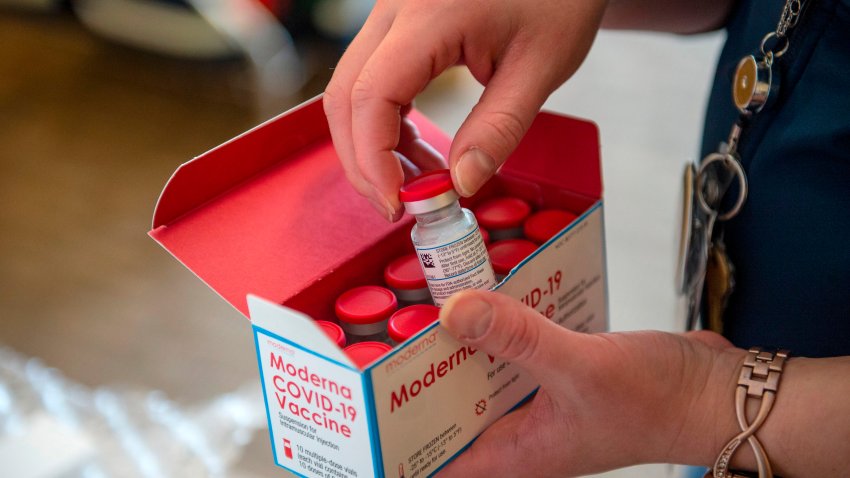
(371, 322)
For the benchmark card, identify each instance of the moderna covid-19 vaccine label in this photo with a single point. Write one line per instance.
(316, 410)
(456, 265)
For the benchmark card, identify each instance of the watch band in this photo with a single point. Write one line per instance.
(759, 380)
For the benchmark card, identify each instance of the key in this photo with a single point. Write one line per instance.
(696, 256)
(719, 285)
(703, 190)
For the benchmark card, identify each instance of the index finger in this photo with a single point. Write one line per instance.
(397, 71)
(337, 101)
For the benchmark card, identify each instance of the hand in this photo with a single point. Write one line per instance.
(605, 400)
(520, 50)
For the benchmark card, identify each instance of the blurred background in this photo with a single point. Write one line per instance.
(116, 356)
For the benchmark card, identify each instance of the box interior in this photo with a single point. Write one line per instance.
(271, 212)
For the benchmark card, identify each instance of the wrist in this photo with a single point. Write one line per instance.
(707, 412)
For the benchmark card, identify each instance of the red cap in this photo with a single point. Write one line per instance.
(333, 331)
(505, 255)
(502, 213)
(542, 225)
(405, 273)
(364, 353)
(365, 305)
(485, 235)
(409, 320)
(426, 186)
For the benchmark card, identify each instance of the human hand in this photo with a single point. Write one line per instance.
(605, 400)
(520, 50)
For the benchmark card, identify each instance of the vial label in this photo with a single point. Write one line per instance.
(457, 265)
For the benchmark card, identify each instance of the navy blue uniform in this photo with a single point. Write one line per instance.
(791, 242)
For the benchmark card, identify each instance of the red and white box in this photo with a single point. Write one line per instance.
(270, 223)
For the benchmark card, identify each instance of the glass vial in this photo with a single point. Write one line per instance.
(404, 277)
(363, 313)
(503, 217)
(543, 225)
(446, 237)
(364, 353)
(507, 254)
(408, 321)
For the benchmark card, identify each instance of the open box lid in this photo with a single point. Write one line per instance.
(270, 212)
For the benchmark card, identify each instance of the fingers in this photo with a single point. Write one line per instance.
(337, 103)
(494, 128)
(399, 68)
(417, 150)
(375, 173)
(503, 327)
(400, 49)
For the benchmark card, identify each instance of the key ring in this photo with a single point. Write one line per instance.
(774, 54)
(732, 164)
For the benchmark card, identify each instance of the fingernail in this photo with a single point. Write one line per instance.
(380, 203)
(467, 317)
(473, 169)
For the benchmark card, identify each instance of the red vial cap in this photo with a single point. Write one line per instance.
(405, 273)
(502, 213)
(426, 186)
(485, 235)
(364, 353)
(333, 331)
(542, 225)
(365, 305)
(409, 320)
(505, 255)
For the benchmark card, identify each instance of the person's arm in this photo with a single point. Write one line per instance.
(807, 433)
(612, 400)
(676, 16)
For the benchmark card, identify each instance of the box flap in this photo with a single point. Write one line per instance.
(295, 326)
(548, 152)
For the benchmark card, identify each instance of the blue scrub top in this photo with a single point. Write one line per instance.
(791, 242)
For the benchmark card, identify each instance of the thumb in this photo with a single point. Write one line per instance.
(504, 327)
(495, 126)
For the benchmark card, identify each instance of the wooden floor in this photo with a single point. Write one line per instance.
(89, 133)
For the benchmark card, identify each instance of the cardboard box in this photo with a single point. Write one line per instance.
(270, 223)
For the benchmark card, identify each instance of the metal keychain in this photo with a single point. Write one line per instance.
(719, 281)
(703, 265)
(705, 187)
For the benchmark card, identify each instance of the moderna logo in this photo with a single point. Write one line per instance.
(435, 371)
(416, 348)
(281, 348)
(413, 350)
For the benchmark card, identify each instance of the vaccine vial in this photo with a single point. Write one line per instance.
(364, 353)
(363, 312)
(508, 254)
(333, 331)
(542, 225)
(408, 321)
(503, 217)
(446, 237)
(405, 278)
